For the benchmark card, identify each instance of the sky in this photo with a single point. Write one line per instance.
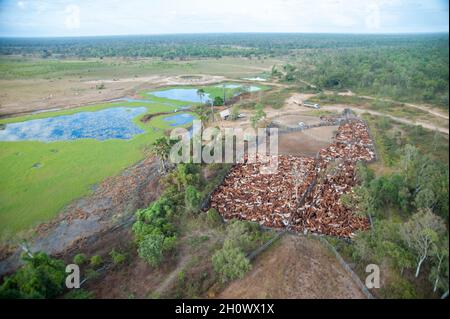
(43, 18)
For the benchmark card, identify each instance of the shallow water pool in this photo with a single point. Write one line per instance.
(110, 123)
(186, 95)
(179, 119)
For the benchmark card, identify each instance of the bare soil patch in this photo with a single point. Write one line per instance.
(295, 268)
(25, 96)
(305, 143)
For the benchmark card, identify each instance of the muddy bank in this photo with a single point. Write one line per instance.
(112, 204)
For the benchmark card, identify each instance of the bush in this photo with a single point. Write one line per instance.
(153, 247)
(218, 101)
(154, 220)
(230, 263)
(243, 234)
(40, 277)
(213, 218)
(117, 258)
(192, 199)
(80, 259)
(96, 261)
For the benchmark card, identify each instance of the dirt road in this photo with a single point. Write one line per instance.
(359, 111)
(428, 109)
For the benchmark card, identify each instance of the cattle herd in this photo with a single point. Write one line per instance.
(304, 193)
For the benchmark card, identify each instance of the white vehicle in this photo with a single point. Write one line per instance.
(313, 105)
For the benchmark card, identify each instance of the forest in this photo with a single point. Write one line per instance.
(207, 45)
(411, 72)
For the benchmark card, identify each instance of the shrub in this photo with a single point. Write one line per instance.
(117, 257)
(154, 220)
(153, 247)
(80, 259)
(230, 263)
(192, 199)
(243, 234)
(213, 218)
(40, 277)
(218, 101)
(96, 261)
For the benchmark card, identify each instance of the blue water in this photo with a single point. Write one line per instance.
(229, 86)
(187, 95)
(179, 119)
(115, 122)
(129, 99)
(253, 88)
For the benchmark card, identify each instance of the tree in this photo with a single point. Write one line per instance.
(185, 174)
(153, 247)
(242, 234)
(289, 72)
(40, 277)
(257, 116)
(201, 94)
(420, 233)
(234, 114)
(218, 101)
(192, 198)
(439, 271)
(230, 263)
(162, 147)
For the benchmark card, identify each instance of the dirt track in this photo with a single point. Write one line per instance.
(295, 267)
(359, 111)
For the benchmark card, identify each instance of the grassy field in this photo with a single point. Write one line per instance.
(67, 169)
(29, 68)
(38, 179)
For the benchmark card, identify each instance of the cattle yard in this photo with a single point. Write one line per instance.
(304, 193)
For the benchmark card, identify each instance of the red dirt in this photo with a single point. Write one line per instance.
(295, 268)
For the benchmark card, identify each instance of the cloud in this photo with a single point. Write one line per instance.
(21, 4)
(72, 20)
(373, 18)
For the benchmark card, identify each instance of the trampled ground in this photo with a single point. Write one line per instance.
(297, 268)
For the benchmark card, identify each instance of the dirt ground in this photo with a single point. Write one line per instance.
(24, 96)
(137, 279)
(305, 143)
(295, 268)
(293, 120)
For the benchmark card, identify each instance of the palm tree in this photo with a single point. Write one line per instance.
(161, 148)
(201, 94)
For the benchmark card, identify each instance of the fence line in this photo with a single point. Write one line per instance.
(346, 266)
(266, 245)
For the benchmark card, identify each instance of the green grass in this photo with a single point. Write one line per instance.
(68, 169)
(36, 68)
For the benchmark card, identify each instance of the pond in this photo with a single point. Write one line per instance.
(256, 79)
(179, 119)
(110, 123)
(251, 88)
(186, 95)
(229, 86)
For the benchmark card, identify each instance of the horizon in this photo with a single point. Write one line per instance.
(69, 18)
(224, 33)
